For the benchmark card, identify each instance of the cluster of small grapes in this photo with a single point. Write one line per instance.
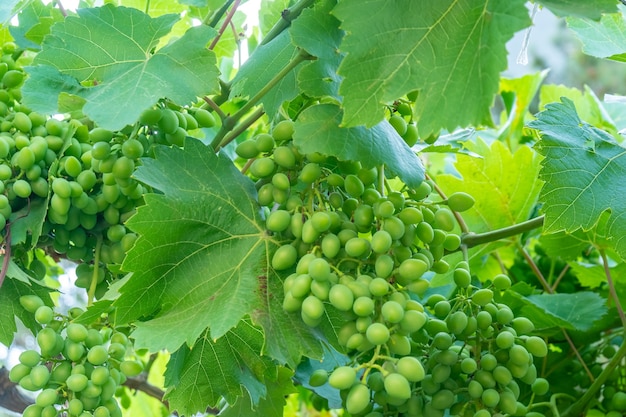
(352, 251)
(77, 369)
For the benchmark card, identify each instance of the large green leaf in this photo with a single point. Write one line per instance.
(272, 404)
(111, 49)
(584, 170)
(230, 367)
(452, 51)
(201, 250)
(504, 184)
(318, 130)
(318, 33)
(605, 38)
(262, 67)
(10, 293)
(580, 8)
(576, 311)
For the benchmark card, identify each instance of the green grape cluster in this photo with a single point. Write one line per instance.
(351, 251)
(77, 369)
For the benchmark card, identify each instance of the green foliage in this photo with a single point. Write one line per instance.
(305, 227)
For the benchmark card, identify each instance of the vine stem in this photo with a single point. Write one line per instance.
(61, 8)
(215, 107)
(612, 291)
(286, 17)
(475, 239)
(230, 122)
(91, 294)
(213, 20)
(242, 127)
(577, 408)
(227, 20)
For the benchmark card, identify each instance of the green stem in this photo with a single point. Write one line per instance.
(286, 17)
(577, 408)
(381, 179)
(147, 6)
(242, 127)
(475, 239)
(214, 19)
(612, 291)
(91, 294)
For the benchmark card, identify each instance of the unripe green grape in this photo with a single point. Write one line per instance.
(399, 124)
(22, 188)
(30, 358)
(262, 167)
(284, 157)
(264, 142)
(283, 130)
(354, 186)
(131, 368)
(169, 122)
(518, 355)
(504, 316)
(460, 201)
(358, 247)
(44, 315)
(363, 306)
(411, 270)
(331, 245)
(363, 215)
(319, 269)
(320, 221)
(442, 340)
(377, 333)
(505, 340)
(394, 227)
(381, 242)
(444, 220)
(97, 355)
(490, 397)
(443, 399)
(541, 386)
(342, 377)
(318, 378)
(301, 285)
(358, 399)
(74, 351)
(411, 135)
(502, 375)
(310, 173)
(502, 282)
(32, 410)
(284, 257)
(536, 346)
(411, 368)
(46, 397)
(392, 312)
(25, 158)
(204, 118)
(247, 149)
(384, 265)
(281, 181)
(46, 339)
(312, 307)
(398, 386)
(39, 375)
(75, 407)
(123, 167)
(457, 322)
(379, 287)
(265, 196)
(278, 221)
(413, 321)
(482, 297)
(341, 297)
(309, 233)
(425, 232)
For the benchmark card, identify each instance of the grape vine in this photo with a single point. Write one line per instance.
(342, 220)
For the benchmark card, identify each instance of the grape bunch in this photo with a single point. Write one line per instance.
(353, 247)
(77, 369)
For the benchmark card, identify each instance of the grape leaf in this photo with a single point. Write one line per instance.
(524, 90)
(287, 337)
(9, 8)
(10, 293)
(588, 106)
(272, 404)
(583, 169)
(26, 224)
(318, 33)
(511, 179)
(452, 51)
(200, 253)
(580, 8)
(111, 48)
(34, 22)
(261, 67)
(593, 276)
(317, 129)
(568, 246)
(605, 38)
(210, 369)
(576, 311)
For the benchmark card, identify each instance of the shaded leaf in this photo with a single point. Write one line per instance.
(452, 51)
(34, 22)
(583, 170)
(230, 367)
(567, 246)
(271, 405)
(111, 49)
(593, 276)
(10, 293)
(9, 8)
(200, 253)
(317, 129)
